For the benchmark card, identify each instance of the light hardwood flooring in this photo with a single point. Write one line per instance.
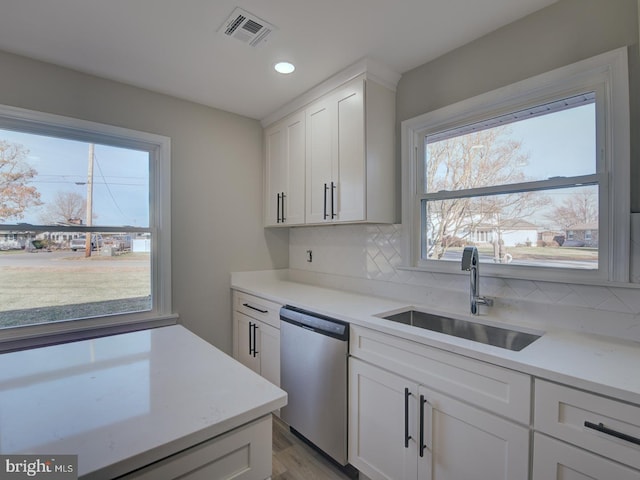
(295, 460)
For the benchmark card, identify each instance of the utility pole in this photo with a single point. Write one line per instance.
(88, 235)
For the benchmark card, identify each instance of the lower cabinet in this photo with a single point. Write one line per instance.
(556, 460)
(596, 437)
(259, 347)
(241, 454)
(256, 335)
(402, 430)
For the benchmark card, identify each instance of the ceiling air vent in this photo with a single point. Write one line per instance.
(246, 27)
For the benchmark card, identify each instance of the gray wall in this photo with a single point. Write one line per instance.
(563, 33)
(216, 180)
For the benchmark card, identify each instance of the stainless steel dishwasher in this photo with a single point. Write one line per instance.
(314, 352)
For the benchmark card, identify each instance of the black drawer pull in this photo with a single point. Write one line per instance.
(622, 436)
(255, 308)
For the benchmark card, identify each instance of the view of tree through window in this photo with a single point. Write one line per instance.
(521, 187)
(75, 233)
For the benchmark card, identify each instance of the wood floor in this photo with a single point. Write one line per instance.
(295, 460)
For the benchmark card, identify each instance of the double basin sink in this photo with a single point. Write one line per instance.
(478, 332)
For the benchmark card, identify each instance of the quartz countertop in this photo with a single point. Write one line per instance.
(600, 364)
(124, 401)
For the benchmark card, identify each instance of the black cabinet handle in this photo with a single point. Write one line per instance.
(622, 436)
(407, 437)
(325, 215)
(250, 339)
(254, 308)
(283, 196)
(333, 188)
(255, 350)
(278, 210)
(422, 445)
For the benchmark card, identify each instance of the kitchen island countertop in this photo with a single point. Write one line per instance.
(125, 401)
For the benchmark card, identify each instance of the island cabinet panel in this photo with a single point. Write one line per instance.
(401, 430)
(604, 426)
(256, 335)
(242, 454)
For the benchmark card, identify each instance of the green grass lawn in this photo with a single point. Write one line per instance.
(73, 287)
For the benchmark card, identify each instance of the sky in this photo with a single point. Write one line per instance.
(120, 177)
(558, 144)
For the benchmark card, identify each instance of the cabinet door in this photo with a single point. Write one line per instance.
(377, 423)
(268, 351)
(465, 442)
(246, 342)
(295, 152)
(556, 460)
(348, 168)
(319, 147)
(275, 172)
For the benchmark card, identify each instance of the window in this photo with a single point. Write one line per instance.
(84, 225)
(535, 175)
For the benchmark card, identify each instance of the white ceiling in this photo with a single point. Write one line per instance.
(172, 46)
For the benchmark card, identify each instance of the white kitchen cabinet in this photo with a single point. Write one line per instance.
(350, 173)
(556, 460)
(377, 412)
(285, 171)
(334, 160)
(402, 430)
(256, 335)
(242, 454)
(602, 435)
(319, 156)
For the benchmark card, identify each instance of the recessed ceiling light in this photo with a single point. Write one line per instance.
(284, 67)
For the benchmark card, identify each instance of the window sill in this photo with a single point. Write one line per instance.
(33, 336)
(577, 279)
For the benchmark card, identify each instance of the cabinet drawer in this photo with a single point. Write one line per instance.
(555, 460)
(496, 389)
(258, 308)
(563, 411)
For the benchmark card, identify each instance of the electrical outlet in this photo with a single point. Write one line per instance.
(309, 256)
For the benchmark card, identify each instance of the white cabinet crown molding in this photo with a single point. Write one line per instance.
(373, 70)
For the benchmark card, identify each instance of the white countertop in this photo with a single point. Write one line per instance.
(600, 364)
(124, 401)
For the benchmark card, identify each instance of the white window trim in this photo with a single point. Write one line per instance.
(159, 148)
(609, 72)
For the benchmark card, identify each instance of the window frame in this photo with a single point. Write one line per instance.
(607, 75)
(159, 148)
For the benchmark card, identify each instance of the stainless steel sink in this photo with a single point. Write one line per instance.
(478, 332)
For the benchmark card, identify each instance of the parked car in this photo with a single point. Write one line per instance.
(80, 243)
(118, 242)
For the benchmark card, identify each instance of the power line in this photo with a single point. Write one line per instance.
(95, 157)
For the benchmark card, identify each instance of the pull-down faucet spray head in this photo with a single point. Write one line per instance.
(471, 263)
(469, 258)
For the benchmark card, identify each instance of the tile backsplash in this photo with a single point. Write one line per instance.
(366, 258)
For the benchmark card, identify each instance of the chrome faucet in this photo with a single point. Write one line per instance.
(470, 263)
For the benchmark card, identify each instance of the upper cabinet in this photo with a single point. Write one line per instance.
(284, 171)
(333, 161)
